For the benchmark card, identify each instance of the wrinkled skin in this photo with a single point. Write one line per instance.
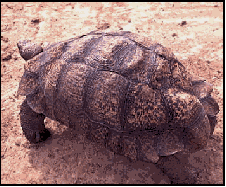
(128, 93)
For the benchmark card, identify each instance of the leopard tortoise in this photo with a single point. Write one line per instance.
(132, 95)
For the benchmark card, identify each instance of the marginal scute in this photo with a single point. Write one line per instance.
(169, 143)
(148, 148)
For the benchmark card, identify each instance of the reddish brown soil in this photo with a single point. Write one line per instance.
(194, 32)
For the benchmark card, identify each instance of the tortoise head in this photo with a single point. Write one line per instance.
(28, 49)
(29, 80)
(38, 64)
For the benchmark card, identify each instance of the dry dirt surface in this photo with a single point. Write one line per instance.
(194, 32)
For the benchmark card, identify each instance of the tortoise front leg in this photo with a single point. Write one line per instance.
(32, 124)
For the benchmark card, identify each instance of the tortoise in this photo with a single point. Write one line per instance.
(125, 91)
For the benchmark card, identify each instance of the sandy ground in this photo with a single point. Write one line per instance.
(194, 32)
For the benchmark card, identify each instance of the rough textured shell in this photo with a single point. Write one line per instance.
(133, 94)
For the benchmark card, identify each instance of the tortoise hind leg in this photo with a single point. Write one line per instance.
(211, 108)
(32, 124)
